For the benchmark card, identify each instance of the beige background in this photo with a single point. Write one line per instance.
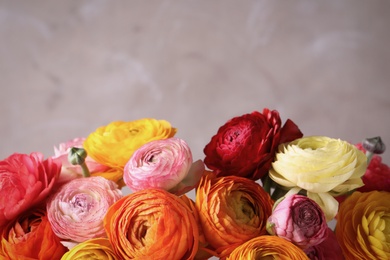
(68, 67)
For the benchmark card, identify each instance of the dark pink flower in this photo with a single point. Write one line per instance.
(25, 181)
(328, 249)
(300, 220)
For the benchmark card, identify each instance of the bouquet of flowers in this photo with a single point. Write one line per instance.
(263, 190)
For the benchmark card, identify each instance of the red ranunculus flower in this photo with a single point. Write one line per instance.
(245, 145)
(377, 175)
(25, 181)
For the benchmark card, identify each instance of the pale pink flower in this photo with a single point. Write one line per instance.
(165, 164)
(25, 181)
(70, 171)
(300, 220)
(77, 210)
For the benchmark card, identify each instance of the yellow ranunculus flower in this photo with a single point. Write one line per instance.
(323, 166)
(115, 143)
(363, 225)
(98, 248)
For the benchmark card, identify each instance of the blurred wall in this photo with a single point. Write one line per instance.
(67, 67)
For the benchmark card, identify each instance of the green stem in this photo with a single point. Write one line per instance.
(267, 183)
(85, 169)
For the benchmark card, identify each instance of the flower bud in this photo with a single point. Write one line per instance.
(77, 156)
(374, 145)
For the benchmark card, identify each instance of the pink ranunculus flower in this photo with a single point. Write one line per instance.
(76, 211)
(327, 249)
(25, 181)
(70, 171)
(166, 164)
(300, 220)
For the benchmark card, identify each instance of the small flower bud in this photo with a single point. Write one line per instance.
(374, 145)
(77, 156)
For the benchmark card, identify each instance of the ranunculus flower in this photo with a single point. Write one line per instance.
(328, 249)
(164, 164)
(362, 227)
(323, 166)
(93, 249)
(76, 211)
(152, 224)
(203, 251)
(268, 247)
(245, 146)
(232, 210)
(30, 237)
(115, 143)
(25, 181)
(377, 175)
(70, 171)
(299, 220)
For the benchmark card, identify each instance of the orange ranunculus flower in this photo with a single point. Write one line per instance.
(97, 248)
(363, 225)
(203, 251)
(30, 237)
(268, 247)
(114, 144)
(232, 210)
(152, 224)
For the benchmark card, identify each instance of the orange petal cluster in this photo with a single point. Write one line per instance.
(30, 237)
(232, 211)
(268, 247)
(363, 225)
(152, 224)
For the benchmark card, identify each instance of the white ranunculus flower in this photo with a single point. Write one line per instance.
(323, 166)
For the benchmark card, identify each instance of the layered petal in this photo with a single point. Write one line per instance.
(93, 249)
(25, 181)
(363, 225)
(268, 247)
(115, 143)
(232, 210)
(245, 145)
(152, 224)
(319, 165)
(163, 164)
(299, 220)
(77, 210)
(30, 236)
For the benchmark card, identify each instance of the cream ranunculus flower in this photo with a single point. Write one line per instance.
(323, 166)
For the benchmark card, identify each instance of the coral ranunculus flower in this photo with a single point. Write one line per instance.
(164, 164)
(268, 247)
(30, 237)
(25, 181)
(115, 143)
(93, 249)
(245, 146)
(232, 210)
(76, 211)
(323, 166)
(152, 224)
(363, 223)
